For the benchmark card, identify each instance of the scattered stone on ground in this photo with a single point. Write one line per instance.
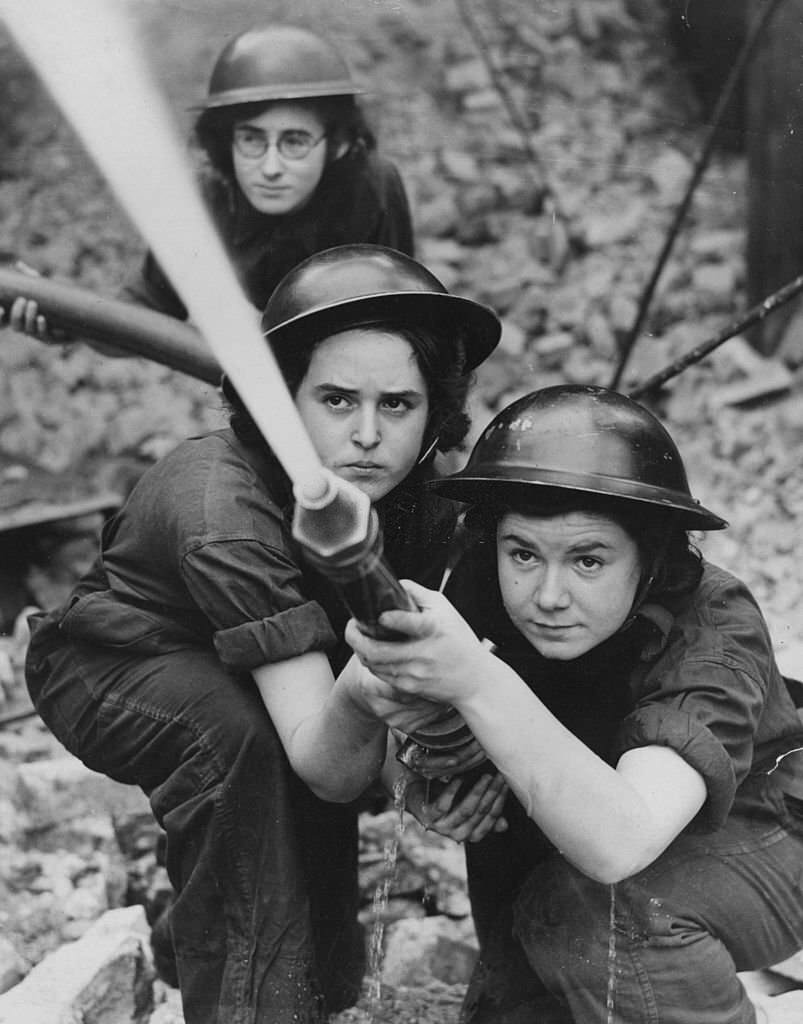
(561, 246)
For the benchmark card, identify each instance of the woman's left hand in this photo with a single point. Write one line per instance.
(466, 819)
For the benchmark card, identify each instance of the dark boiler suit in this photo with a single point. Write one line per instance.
(144, 674)
(360, 198)
(699, 676)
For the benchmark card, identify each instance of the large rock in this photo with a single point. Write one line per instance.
(106, 977)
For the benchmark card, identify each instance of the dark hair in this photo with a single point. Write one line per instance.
(666, 554)
(441, 365)
(343, 120)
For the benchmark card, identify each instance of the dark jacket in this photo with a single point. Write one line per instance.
(202, 555)
(360, 198)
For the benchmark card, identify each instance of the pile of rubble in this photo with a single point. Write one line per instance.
(81, 882)
(557, 227)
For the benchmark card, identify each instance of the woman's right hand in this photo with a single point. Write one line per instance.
(467, 818)
(403, 712)
(24, 317)
(436, 656)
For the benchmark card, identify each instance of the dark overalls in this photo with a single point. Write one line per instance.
(360, 198)
(144, 674)
(725, 896)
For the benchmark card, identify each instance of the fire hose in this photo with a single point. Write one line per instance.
(104, 90)
(136, 331)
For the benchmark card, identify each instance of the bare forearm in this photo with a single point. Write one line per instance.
(332, 742)
(598, 821)
(340, 750)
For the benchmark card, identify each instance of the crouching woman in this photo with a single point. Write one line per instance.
(634, 706)
(202, 660)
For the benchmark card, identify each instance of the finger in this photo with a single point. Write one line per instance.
(422, 596)
(31, 313)
(17, 316)
(369, 650)
(414, 625)
(469, 806)
(481, 830)
(444, 802)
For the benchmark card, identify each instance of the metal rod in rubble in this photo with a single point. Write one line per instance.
(757, 27)
(752, 316)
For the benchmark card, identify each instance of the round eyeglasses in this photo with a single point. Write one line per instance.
(292, 144)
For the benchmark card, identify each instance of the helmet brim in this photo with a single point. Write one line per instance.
(289, 91)
(443, 314)
(516, 483)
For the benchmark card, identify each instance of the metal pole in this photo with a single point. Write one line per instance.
(760, 22)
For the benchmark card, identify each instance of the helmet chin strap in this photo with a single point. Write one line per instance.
(638, 600)
(646, 581)
(423, 458)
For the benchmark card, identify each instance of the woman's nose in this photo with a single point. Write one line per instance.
(552, 591)
(366, 430)
(272, 162)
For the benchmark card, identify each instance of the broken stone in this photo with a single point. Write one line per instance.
(773, 379)
(514, 340)
(670, 173)
(106, 977)
(554, 346)
(439, 217)
(715, 279)
(601, 230)
(12, 967)
(57, 790)
(435, 947)
(467, 76)
(459, 166)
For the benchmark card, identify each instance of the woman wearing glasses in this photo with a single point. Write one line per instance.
(289, 168)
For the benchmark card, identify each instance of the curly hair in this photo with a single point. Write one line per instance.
(671, 564)
(343, 120)
(442, 366)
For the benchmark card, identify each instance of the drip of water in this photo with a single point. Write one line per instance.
(381, 894)
(610, 997)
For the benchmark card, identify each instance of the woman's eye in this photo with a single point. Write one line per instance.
(336, 401)
(396, 404)
(589, 562)
(522, 556)
(296, 138)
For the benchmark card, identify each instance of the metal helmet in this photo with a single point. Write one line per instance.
(579, 439)
(278, 62)
(362, 285)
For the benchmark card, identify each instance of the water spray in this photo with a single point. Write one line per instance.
(86, 54)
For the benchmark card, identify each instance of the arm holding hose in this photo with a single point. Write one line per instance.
(341, 537)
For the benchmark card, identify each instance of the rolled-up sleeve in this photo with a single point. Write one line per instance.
(657, 725)
(253, 595)
(707, 708)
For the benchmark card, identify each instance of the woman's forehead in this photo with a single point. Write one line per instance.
(574, 522)
(282, 114)
(363, 353)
